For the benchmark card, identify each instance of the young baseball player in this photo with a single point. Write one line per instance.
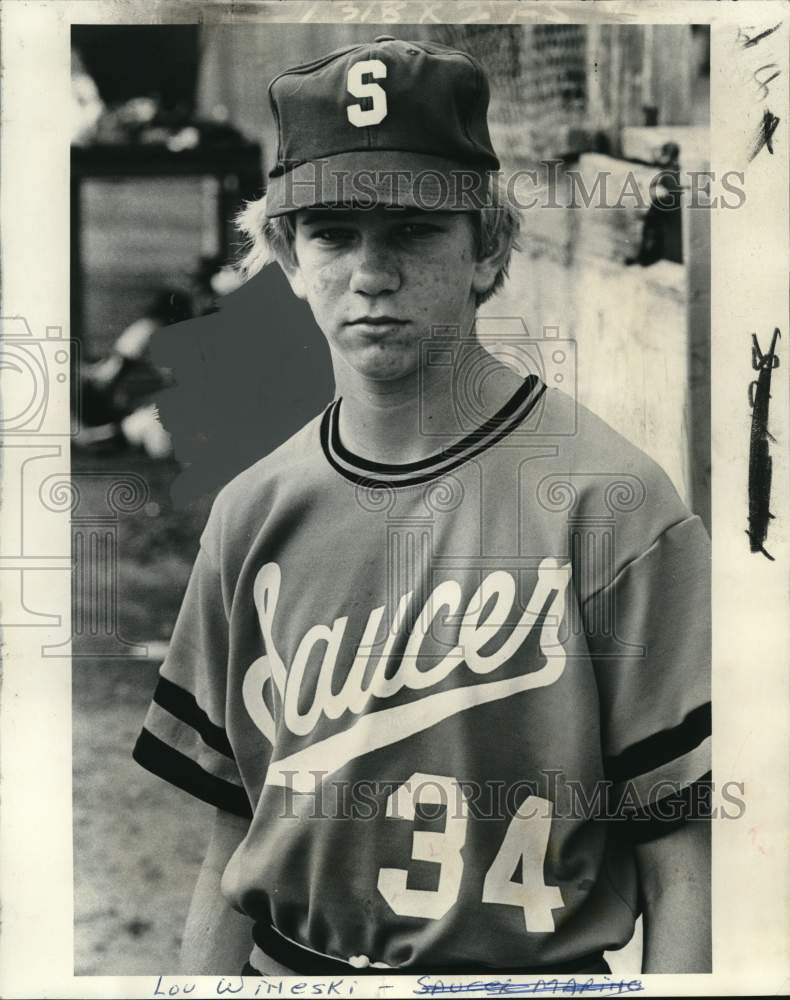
(442, 664)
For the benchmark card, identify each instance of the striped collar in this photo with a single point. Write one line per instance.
(364, 472)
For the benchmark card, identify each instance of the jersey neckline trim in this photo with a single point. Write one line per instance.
(375, 475)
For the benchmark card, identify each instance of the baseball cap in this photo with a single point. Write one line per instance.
(389, 122)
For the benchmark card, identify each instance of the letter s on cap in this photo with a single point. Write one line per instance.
(360, 88)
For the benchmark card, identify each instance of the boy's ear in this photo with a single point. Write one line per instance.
(487, 266)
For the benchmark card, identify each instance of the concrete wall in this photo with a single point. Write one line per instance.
(629, 322)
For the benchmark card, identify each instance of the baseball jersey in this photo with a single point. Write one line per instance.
(445, 693)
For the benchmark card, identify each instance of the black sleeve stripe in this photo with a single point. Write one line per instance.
(672, 811)
(183, 706)
(165, 762)
(661, 748)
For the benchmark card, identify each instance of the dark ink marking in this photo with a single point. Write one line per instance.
(749, 41)
(764, 136)
(760, 462)
(227, 986)
(763, 84)
(506, 987)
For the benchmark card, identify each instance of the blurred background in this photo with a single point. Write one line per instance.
(171, 134)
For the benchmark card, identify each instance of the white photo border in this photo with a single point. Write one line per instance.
(751, 918)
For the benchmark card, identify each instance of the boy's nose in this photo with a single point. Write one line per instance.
(375, 270)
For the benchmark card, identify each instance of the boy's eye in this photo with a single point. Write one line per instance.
(337, 236)
(419, 229)
(331, 235)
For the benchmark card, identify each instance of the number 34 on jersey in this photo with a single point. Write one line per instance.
(525, 841)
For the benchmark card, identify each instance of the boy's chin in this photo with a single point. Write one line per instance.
(383, 366)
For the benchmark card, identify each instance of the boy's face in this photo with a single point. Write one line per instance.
(378, 280)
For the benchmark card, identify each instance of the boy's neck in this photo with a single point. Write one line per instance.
(406, 420)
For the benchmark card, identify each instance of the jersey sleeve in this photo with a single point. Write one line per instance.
(649, 635)
(183, 738)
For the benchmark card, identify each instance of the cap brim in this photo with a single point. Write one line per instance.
(372, 177)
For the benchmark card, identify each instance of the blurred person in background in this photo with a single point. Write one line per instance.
(116, 392)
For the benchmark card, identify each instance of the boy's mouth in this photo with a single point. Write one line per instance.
(377, 326)
(377, 321)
